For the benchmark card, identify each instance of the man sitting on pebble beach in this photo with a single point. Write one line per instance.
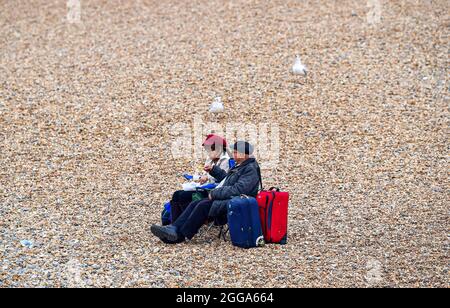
(243, 179)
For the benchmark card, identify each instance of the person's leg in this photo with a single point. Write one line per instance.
(192, 219)
(182, 196)
(181, 220)
(169, 234)
(180, 200)
(197, 217)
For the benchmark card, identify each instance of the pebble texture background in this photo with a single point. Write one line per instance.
(86, 109)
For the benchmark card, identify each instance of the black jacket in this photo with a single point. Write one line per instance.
(243, 179)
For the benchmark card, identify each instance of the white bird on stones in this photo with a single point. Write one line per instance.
(27, 244)
(217, 106)
(299, 68)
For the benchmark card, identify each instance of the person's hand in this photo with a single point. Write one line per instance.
(208, 168)
(203, 179)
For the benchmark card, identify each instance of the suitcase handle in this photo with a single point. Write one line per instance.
(275, 188)
(244, 196)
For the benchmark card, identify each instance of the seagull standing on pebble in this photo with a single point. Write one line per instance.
(217, 106)
(299, 68)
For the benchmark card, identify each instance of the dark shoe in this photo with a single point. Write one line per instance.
(166, 233)
(181, 240)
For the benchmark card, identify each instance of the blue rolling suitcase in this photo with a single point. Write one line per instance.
(244, 222)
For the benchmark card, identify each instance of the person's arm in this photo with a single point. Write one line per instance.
(218, 173)
(206, 177)
(245, 186)
(223, 164)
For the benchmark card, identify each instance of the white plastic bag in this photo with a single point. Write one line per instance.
(190, 186)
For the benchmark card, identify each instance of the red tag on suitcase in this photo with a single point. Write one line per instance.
(273, 210)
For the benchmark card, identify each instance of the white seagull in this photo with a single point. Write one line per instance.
(299, 68)
(217, 106)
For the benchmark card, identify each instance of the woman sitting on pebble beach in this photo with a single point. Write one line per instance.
(218, 155)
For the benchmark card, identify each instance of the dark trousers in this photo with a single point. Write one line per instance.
(193, 218)
(180, 201)
(182, 196)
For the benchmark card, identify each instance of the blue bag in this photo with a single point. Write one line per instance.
(208, 186)
(188, 177)
(245, 223)
(166, 215)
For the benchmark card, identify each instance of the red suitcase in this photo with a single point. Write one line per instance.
(273, 210)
